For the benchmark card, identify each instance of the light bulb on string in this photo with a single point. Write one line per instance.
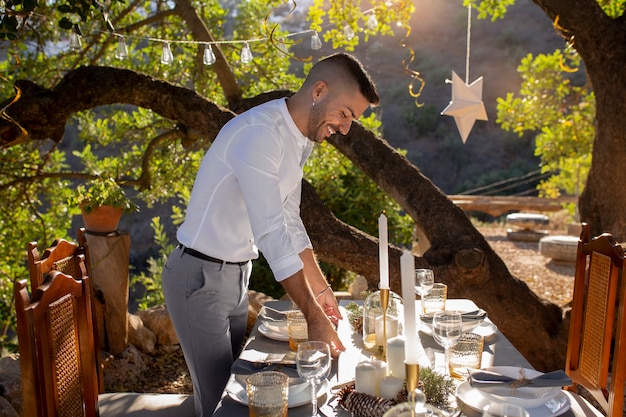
(246, 54)
(348, 32)
(122, 51)
(316, 42)
(75, 42)
(372, 22)
(209, 56)
(166, 54)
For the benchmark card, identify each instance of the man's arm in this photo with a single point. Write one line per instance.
(319, 325)
(321, 289)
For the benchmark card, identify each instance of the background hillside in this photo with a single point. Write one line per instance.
(439, 39)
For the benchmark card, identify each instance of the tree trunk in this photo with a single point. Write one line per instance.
(600, 41)
(458, 253)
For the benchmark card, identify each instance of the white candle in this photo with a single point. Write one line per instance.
(395, 357)
(381, 372)
(407, 266)
(383, 334)
(390, 386)
(383, 252)
(365, 378)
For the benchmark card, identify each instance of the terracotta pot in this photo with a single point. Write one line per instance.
(103, 219)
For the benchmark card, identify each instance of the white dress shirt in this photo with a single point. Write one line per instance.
(247, 192)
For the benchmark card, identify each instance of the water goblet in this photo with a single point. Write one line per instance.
(313, 364)
(447, 330)
(424, 281)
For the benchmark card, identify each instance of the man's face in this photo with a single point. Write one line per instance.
(334, 113)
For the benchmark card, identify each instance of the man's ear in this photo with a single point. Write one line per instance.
(320, 88)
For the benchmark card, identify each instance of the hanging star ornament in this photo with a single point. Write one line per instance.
(466, 105)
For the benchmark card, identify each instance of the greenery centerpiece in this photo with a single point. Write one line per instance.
(102, 202)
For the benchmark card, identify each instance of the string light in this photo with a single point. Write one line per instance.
(209, 56)
(372, 22)
(246, 54)
(122, 51)
(316, 42)
(348, 32)
(75, 42)
(166, 54)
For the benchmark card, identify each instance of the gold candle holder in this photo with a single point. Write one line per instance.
(384, 304)
(412, 371)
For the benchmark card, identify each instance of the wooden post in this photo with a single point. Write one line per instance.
(109, 257)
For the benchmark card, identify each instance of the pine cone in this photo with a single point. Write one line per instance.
(359, 404)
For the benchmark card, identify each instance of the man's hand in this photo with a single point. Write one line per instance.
(328, 302)
(324, 330)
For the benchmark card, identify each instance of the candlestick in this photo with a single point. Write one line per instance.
(407, 265)
(412, 375)
(383, 252)
(384, 304)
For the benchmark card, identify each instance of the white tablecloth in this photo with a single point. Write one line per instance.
(498, 351)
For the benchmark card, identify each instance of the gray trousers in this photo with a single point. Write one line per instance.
(208, 305)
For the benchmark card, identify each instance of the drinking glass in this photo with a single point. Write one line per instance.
(424, 281)
(313, 363)
(504, 410)
(447, 330)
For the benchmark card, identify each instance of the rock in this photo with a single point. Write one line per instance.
(559, 248)
(139, 335)
(158, 320)
(255, 302)
(10, 386)
(357, 287)
(128, 365)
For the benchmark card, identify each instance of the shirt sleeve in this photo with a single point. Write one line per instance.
(255, 156)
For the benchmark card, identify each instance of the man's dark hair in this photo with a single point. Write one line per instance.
(342, 66)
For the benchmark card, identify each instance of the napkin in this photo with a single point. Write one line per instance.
(271, 314)
(479, 314)
(485, 380)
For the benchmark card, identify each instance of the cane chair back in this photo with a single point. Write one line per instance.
(596, 351)
(56, 345)
(61, 256)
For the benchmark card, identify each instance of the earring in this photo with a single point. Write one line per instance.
(313, 105)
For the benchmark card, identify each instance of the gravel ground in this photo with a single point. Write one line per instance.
(167, 372)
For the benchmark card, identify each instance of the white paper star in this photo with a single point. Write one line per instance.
(466, 105)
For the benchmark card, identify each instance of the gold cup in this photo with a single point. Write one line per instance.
(297, 327)
(268, 394)
(466, 354)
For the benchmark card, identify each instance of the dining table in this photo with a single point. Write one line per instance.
(272, 353)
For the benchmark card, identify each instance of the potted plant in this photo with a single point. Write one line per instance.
(102, 202)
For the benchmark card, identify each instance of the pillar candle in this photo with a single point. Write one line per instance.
(383, 252)
(381, 372)
(391, 330)
(365, 378)
(395, 357)
(390, 386)
(407, 267)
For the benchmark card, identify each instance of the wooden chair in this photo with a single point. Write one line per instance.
(59, 352)
(57, 356)
(596, 351)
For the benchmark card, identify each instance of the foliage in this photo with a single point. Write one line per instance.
(102, 191)
(436, 387)
(562, 113)
(148, 286)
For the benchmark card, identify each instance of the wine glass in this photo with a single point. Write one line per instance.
(424, 281)
(313, 363)
(447, 329)
(504, 410)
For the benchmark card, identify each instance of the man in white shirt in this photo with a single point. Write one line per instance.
(246, 198)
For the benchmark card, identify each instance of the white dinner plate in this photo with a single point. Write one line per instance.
(485, 329)
(468, 326)
(272, 333)
(296, 384)
(237, 392)
(476, 401)
(527, 397)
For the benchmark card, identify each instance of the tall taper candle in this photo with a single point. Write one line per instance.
(407, 267)
(383, 252)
